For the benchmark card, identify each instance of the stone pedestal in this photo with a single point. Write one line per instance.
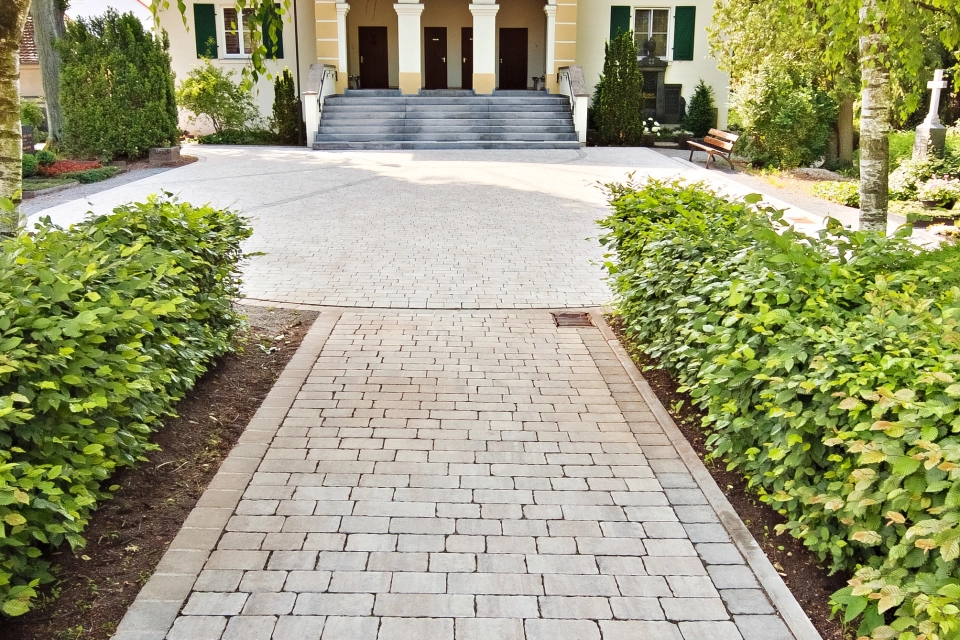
(164, 155)
(930, 140)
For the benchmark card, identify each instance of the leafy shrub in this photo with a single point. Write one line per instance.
(901, 146)
(28, 166)
(211, 94)
(61, 167)
(286, 109)
(827, 369)
(845, 193)
(116, 88)
(906, 179)
(943, 191)
(702, 111)
(92, 175)
(46, 157)
(618, 97)
(31, 114)
(240, 136)
(103, 328)
(785, 119)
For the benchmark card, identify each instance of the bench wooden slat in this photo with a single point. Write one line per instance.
(716, 142)
(723, 135)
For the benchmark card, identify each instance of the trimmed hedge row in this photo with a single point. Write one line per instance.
(103, 328)
(828, 369)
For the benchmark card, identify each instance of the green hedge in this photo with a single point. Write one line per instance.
(828, 369)
(103, 328)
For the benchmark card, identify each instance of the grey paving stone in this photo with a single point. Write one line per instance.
(250, 627)
(307, 581)
(198, 628)
(421, 605)
(263, 581)
(415, 629)
(215, 604)
(719, 553)
(350, 628)
(575, 607)
(636, 609)
(750, 601)
(634, 629)
(333, 604)
(733, 577)
(298, 628)
(762, 628)
(694, 609)
(692, 586)
(489, 628)
(561, 630)
(709, 631)
(269, 604)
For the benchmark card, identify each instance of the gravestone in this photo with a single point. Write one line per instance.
(932, 135)
(164, 155)
(26, 131)
(653, 69)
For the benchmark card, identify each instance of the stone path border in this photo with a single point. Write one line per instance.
(159, 601)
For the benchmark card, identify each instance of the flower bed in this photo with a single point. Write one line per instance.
(66, 166)
(103, 327)
(828, 370)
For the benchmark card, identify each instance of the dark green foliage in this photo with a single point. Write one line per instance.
(701, 112)
(618, 97)
(46, 157)
(240, 136)
(286, 109)
(827, 368)
(28, 167)
(31, 114)
(92, 175)
(785, 117)
(116, 88)
(103, 328)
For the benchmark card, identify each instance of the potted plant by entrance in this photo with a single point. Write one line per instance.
(681, 137)
(650, 130)
(939, 192)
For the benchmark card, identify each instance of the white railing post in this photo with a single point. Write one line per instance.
(311, 115)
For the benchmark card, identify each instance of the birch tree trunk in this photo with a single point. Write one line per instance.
(844, 131)
(47, 28)
(13, 15)
(874, 119)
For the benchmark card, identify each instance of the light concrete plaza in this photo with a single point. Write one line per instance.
(439, 460)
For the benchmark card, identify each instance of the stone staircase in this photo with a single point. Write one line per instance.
(445, 119)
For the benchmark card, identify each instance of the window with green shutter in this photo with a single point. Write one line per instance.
(205, 30)
(619, 21)
(684, 30)
(273, 43)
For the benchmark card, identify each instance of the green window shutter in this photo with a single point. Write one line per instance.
(274, 46)
(619, 21)
(205, 30)
(684, 30)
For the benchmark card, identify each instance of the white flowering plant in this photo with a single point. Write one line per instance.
(651, 126)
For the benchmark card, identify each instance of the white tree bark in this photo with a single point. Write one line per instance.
(13, 15)
(47, 28)
(874, 119)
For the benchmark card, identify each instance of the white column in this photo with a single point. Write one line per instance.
(551, 72)
(408, 23)
(342, 73)
(484, 46)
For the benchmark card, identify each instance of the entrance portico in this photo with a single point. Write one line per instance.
(456, 44)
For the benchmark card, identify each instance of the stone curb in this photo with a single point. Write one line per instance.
(778, 592)
(153, 612)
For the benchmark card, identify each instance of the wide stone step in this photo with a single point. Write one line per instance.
(565, 121)
(441, 129)
(417, 100)
(513, 112)
(382, 146)
(442, 137)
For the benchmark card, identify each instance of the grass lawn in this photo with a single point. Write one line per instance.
(36, 184)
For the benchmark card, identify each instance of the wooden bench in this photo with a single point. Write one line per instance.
(716, 143)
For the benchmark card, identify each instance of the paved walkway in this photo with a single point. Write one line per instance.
(473, 472)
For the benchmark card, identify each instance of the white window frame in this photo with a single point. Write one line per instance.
(222, 34)
(668, 54)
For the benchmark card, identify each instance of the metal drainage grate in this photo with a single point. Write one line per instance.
(572, 319)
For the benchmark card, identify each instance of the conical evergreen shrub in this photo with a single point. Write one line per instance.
(286, 109)
(701, 112)
(618, 99)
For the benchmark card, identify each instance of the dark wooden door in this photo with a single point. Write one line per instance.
(466, 51)
(513, 58)
(435, 57)
(374, 68)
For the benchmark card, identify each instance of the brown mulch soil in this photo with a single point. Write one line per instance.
(807, 578)
(145, 164)
(130, 533)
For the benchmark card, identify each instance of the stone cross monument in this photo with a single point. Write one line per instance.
(932, 135)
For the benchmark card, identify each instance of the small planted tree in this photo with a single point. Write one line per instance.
(286, 109)
(701, 113)
(116, 88)
(212, 95)
(618, 99)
